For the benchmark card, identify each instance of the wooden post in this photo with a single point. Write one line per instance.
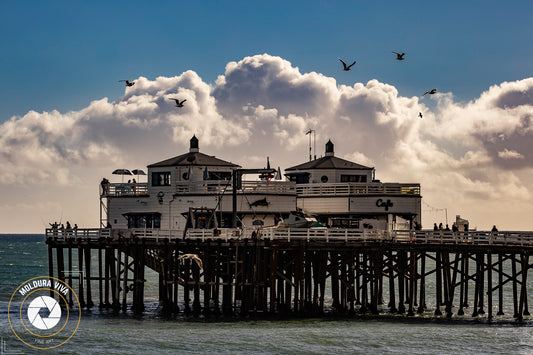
(523, 286)
(125, 282)
(100, 276)
(438, 286)
(392, 298)
(467, 278)
(481, 283)
(116, 296)
(402, 265)
(51, 265)
(489, 285)
(515, 276)
(80, 268)
(412, 283)
(273, 278)
(87, 251)
(464, 279)
(334, 272)
(500, 284)
(422, 297)
(70, 302)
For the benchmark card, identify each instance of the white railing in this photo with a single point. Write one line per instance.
(77, 233)
(371, 188)
(225, 186)
(305, 234)
(125, 189)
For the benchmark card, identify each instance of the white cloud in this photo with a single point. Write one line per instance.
(470, 157)
(510, 154)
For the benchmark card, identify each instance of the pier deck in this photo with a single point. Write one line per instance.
(299, 271)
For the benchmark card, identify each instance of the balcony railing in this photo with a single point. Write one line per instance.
(125, 189)
(225, 186)
(349, 189)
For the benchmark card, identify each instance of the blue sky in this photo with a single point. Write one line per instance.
(63, 54)
(256, 76)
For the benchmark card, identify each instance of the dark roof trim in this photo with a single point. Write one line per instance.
(329, 162)
(193, 159)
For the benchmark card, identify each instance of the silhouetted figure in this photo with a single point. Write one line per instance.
(128, 83)
(454, 228)
(435, 228)
(431, 92)
(399, 56)
(447, 229)
(441, 227)
(178, 103)
(494, 229)
(420, 114)
(346, 67)
(105, 186)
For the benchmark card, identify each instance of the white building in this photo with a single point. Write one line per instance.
(198, 183)
(195, 190)
(345, 194)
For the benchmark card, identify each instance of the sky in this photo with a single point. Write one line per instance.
(256, 76)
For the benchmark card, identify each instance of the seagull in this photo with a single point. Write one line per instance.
(346, 67)
(399, 56)
(194, 257)
(420, 114)
(178, 103)
(128, 83)
(431, 92)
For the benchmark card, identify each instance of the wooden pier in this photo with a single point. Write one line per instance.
(298, 272)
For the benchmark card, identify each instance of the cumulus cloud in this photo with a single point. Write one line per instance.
(463, 154)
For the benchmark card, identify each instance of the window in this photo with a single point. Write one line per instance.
(353, 178)
(144, 220)
(219, 175)
(299, 178)
(161, 178)
(324, 178)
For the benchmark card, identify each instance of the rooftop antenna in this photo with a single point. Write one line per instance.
(308, 132)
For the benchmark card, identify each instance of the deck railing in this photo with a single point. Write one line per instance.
(307, 234)
(225, 186)
(125, 189)
(78, 233)
(371, 188)
(271, 187)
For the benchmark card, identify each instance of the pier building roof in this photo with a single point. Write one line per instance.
(329, 161)
(193, 157)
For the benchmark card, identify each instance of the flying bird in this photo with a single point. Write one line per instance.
(420, 114)
(194, 257)
(431, 92)
(399, 56)
(128, 83)
(178, 102)
(346, 67)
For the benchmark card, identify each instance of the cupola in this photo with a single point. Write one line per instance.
(329, 149)
(194, 145)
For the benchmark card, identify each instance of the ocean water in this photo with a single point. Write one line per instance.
(102, 332)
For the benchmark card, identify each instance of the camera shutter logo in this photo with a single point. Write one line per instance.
(34, 312)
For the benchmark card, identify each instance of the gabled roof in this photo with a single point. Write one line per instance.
(192, 159)
(329, 162)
